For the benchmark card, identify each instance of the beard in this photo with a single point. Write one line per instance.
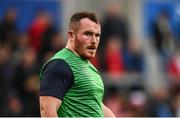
(85, 52)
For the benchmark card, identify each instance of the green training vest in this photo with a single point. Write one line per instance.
(84, 98)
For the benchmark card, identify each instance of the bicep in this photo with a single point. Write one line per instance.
(56, 80)
(49, 105)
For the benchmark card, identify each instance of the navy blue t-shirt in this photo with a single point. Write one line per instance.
(57, 78)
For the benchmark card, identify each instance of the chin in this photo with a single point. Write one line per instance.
(89, 57)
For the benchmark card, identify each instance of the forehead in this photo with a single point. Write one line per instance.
(87, 24)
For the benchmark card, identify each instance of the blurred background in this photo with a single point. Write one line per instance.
(138, 55)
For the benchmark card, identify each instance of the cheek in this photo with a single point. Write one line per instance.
(82, 41)
(85, 41)
(81, 44)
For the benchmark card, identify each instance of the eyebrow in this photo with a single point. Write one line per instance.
(90, 32)
(98, 34)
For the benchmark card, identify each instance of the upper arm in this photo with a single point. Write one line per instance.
(49, 105)
(57, 78)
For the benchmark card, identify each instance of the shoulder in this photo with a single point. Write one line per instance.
(57, 78)
(57, 66)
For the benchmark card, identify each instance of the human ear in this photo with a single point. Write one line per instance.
(71, 35)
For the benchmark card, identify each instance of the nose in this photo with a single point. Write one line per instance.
(93, 40)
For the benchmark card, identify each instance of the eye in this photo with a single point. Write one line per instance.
(98, 35)
(88, 33)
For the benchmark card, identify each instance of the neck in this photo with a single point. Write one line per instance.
(70, 47)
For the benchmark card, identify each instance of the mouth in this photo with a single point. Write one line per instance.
(91, 47)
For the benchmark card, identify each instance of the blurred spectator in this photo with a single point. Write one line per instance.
(51, 40)
(113, 57)
(51, 43)
(26, 83)
(173, 66)
(8, 28)
(163, 35)
(7, 71)
(114, 24)
(133, 57)
(22, 45)
(159, 104)
(47, 38)
(30, 98)
(12, 105)
(37, 29)
(26, 68)
(137, 102)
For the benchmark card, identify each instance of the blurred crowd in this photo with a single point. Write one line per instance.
(22, 55)
(120, 58)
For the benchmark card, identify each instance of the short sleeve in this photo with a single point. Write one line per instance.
(57, 78)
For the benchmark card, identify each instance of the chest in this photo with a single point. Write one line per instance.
(87, 80)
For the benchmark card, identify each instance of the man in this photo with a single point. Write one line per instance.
(71, 86)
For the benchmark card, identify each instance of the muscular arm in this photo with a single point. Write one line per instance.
(57, 78)
(107, 112)
(49, 106)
